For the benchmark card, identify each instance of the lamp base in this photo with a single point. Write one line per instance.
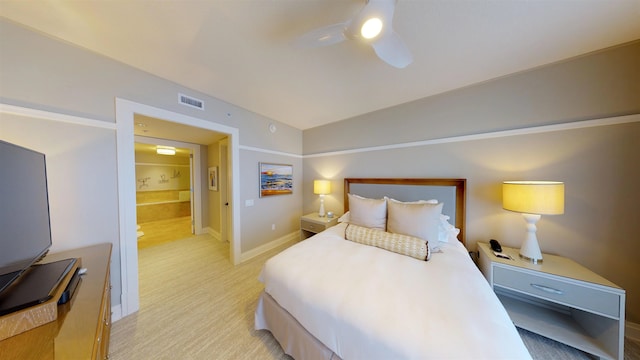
(321, 211)
(530, 250)
(531, 260)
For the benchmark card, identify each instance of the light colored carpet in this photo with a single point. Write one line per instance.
(195, 305)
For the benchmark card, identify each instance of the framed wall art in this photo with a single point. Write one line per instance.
(275, 179)
(213, 178)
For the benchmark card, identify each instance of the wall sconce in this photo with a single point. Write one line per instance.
(322, 188)
(532, 199)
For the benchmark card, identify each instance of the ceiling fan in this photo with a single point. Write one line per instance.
(373, 25)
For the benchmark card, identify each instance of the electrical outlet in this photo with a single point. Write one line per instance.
(248, 203)
(273, 226)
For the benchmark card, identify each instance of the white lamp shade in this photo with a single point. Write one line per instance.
(533, 197)
(321, 187)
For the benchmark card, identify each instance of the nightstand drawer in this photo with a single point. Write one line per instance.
(578, 296)
(311, 226)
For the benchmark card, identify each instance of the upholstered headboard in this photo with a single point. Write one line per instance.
(451, 192)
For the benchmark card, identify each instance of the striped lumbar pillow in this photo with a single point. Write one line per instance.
(398, 243)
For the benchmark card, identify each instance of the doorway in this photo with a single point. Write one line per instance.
(126, 112)
(165, 190)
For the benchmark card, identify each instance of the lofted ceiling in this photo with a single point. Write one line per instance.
(240, 51)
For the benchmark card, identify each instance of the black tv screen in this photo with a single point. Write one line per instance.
(25, 227)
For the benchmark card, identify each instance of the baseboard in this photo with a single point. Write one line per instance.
(632, 331)
(116, 313)
(213, 233)
(294, 236)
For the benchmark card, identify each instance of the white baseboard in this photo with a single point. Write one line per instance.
(116, 313)
(213, 233)
(294, 236)
(632, 331)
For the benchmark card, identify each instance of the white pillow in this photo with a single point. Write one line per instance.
(344, 218)
(446, 231)
(432, 201)
(371, 213)
(418, 219)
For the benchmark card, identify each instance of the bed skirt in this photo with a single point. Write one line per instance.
(294, 339)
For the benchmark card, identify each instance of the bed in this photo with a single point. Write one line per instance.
(412, 292)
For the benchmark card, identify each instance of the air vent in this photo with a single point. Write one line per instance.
(190, 101)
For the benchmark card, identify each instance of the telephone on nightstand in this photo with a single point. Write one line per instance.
(497, 250)
(495, 245)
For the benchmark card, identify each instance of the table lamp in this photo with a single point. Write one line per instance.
(533, 199)
(322, 188)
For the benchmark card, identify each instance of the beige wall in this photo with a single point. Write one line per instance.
(598, 160)
(602, 84)
(83, 199)
(38, 72)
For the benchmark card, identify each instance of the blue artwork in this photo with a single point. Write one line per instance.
(276, 179)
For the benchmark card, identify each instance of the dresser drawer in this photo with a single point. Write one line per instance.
(311, 226)
(578, 296)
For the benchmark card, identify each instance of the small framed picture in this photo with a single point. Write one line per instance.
(213, 178)
(275, 179)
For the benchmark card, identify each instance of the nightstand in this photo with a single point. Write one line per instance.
(312, 224)
(559, 299)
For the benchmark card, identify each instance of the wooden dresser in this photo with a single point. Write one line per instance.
(83, 325)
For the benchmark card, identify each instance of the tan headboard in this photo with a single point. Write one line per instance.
(460, 186)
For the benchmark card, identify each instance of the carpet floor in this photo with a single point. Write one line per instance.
(194, 304)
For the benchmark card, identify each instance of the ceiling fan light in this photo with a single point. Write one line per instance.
(371, 28)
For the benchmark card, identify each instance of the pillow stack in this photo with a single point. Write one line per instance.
(408, 228)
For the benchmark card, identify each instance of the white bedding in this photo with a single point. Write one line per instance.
(367, 303)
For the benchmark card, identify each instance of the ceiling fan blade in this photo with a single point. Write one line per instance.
(327, 35)
(392, 50)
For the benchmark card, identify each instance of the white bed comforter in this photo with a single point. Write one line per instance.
(367, 303)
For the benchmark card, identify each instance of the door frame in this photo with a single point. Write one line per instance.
(125, 111)
(225, 224)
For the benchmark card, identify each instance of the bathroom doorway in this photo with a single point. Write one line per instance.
(165, 209)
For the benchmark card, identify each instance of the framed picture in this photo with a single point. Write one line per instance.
(275, 179)
(213, 178)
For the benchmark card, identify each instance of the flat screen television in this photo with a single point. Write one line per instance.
(25, 226)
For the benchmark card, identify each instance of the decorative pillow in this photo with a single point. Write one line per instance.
(418, 219)
(371, 213)
(398, 243)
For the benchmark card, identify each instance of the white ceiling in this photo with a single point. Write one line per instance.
(240, 51)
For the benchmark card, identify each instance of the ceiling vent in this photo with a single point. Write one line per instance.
(190, 101)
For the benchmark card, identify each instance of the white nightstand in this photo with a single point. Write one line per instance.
(559, 299)
(312, 224)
